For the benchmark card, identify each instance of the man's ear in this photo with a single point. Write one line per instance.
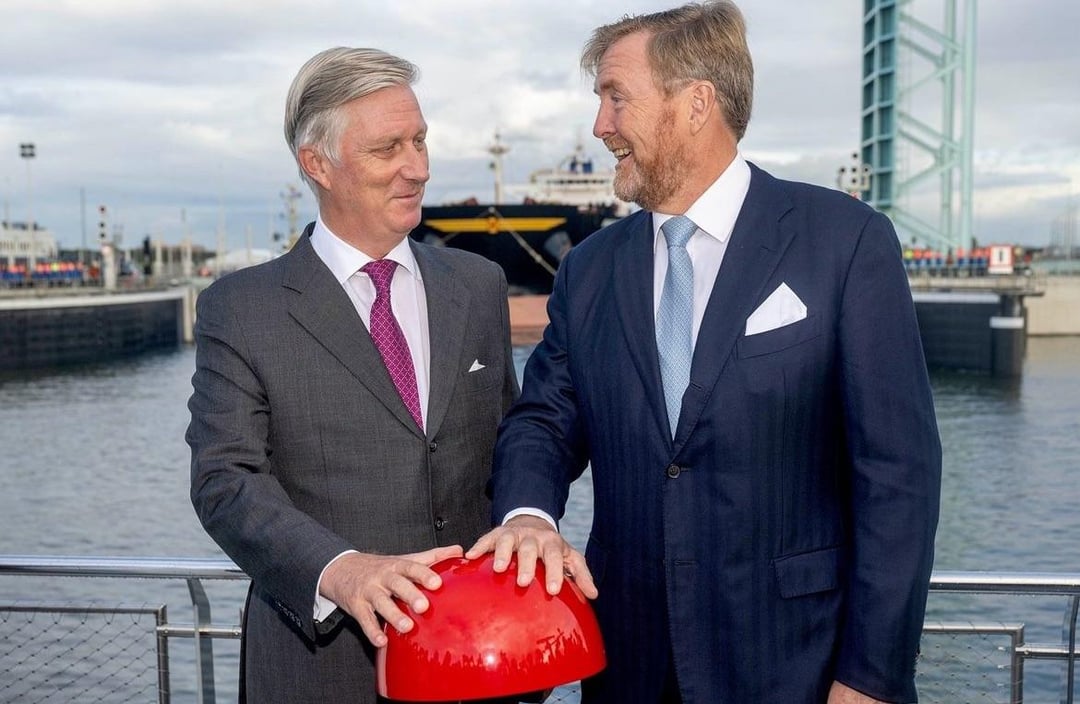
(314, 164)
(703, 106)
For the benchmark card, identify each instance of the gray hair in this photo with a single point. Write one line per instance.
(329, 80)
(696, 42)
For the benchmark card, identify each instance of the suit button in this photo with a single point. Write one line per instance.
(440, 523)
(432, 446)
(673, 471)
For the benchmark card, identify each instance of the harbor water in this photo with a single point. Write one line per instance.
(93, 463)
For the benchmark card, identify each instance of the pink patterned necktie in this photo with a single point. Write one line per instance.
(389, 339)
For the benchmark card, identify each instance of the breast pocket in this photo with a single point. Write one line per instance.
(481, 379)
(779, 339)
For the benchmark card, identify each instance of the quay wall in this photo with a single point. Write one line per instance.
(56, 330)
(1057, 312)
(977, 331)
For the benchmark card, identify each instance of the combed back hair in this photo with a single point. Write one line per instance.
(696, 42)
(329, 80)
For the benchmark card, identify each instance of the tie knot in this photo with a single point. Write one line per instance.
(381, 272)
(678, 231)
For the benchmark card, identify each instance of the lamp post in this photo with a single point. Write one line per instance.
(9, 258)
(26, 151)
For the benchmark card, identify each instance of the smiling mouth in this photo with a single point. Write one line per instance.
(620, 153)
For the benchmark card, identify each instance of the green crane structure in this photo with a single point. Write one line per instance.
(918, 119)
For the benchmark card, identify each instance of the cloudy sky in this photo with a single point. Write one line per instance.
(169, 113)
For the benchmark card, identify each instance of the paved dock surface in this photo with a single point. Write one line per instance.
(528, 317)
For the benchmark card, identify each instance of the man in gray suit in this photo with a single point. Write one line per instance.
(346, 395)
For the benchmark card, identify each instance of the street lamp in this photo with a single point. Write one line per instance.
(26, 151)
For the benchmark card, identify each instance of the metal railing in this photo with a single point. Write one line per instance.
(192, 570)
(1029, 283)
(203, 631)
(1019, 584)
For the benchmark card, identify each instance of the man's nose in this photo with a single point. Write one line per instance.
(602, 125)
(416, 168)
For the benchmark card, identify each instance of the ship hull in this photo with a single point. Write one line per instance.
(528, 241)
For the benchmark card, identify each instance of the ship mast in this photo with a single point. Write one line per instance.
(497, 150)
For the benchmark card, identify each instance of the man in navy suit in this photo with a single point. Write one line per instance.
(767, 536)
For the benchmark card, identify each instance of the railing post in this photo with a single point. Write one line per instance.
(1017, 688)
(204, 647)
(162, 618)
(1069, 636)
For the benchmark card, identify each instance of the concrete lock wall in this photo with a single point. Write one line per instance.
(1058, 311)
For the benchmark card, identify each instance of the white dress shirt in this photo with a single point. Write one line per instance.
(409, 304)
(714, 213)
(407, 297)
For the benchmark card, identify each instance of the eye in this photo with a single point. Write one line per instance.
(420, 142)
(611, 98)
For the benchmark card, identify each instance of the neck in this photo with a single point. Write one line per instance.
(359, 237)
(710, 153)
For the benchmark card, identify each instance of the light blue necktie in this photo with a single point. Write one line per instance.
(675, 317)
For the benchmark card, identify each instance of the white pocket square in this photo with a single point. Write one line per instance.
(476, 366)
(781, 308)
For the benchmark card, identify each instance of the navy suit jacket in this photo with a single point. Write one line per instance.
(784, 539)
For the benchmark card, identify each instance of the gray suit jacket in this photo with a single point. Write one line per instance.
(302, 449)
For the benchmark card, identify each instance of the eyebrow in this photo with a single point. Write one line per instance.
(606, 84)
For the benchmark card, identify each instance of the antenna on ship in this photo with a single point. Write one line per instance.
(497, 150)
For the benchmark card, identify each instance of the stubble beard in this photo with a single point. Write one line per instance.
(651, 183)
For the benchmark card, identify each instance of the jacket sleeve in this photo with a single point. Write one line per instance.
(240, 503)
(540, 448)
(510, 388)
(895, 459)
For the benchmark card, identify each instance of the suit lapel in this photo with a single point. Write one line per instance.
(632, 278)
(324, 310)
(757, 243)
(447, 305)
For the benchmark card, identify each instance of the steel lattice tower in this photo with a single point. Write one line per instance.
(918, 107)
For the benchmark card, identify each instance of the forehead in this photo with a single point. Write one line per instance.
(625, 63)
(387, 111)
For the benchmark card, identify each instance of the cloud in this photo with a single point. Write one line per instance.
(170, 113)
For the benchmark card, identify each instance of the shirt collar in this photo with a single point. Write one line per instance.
(715, 210)
(344, 260)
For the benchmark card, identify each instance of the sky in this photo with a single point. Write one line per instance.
(169, 113)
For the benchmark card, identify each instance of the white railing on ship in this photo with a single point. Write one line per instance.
(202, 631)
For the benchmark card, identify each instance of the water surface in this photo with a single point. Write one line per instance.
(93, 462)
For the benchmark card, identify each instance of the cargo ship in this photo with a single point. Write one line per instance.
(528, 237)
